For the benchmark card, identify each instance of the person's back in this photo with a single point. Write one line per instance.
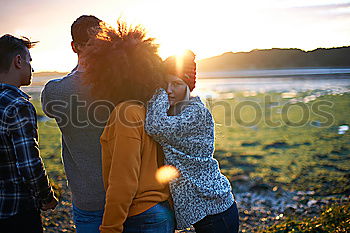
(81, 121)
(130, 163)
(67, 101)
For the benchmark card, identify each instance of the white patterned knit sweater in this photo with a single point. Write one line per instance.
(187, 140)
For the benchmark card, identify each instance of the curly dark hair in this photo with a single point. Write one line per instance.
(122, 65)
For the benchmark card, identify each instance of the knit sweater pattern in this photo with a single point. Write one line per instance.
(187, 140)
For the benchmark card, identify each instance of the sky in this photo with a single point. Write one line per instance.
(208, 27)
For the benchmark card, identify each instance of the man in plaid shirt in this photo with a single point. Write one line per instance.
(24, 186)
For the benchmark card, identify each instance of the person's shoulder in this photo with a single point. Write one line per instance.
(60, 83)
(197, 103)
(197, 107)
(130, 111)
(196, 100)
(19, 104)
(127, 116)
(130, 108)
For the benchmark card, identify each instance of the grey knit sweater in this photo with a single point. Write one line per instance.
(188, 144)
(67, 100)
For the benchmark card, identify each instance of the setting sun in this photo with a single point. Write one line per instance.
(209, 28)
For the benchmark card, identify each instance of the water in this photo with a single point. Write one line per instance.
(256, 81)
(331, 81)
(274, 84)
(275, 73)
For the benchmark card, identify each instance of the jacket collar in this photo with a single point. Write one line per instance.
(4, 86)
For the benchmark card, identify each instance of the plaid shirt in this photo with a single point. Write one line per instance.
(23, 180)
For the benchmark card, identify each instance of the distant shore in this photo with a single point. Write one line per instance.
(276, 73)
(49, 74)
(252, 73)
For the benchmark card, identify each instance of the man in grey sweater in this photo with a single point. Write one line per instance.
(81, 121)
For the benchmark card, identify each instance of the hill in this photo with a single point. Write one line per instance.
(49, 74)
(277, 58)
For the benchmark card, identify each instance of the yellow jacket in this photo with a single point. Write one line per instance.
(129, 164)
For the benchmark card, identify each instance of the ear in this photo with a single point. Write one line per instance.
(17, 61)
(73, 47)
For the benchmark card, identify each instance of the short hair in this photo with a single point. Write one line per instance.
(11, 46)
(82, 27)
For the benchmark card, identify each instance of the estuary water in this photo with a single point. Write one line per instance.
(259, 81)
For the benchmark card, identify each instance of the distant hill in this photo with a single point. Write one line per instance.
(50, 74)
(277, 59)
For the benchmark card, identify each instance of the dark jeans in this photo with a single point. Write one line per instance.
(26, 222)
(225, 222)
(87, 221)
(158, 219)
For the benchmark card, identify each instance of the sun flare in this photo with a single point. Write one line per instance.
(166, 173)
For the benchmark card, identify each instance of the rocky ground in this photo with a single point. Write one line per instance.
(260, 205)
(60, 219)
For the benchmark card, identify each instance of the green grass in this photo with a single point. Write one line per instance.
(50, 149)
(285, 155)
(296, 158)
(304, 158)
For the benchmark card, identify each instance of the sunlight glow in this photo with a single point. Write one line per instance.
(166, 173)
(208, 28)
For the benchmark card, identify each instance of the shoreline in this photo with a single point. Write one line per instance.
(275, 73)
(287, 76)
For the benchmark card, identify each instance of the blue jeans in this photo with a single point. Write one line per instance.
(158, 219)
(87, 221)
(225, 222)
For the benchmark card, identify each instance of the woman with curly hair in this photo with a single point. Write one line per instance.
(123, 68)
(184, 128)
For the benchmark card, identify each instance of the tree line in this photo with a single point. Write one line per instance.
(277, 58)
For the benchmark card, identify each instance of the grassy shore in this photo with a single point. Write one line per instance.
(288, 164)
(303, 157)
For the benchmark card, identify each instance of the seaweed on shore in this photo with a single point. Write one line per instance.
(332, 218)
